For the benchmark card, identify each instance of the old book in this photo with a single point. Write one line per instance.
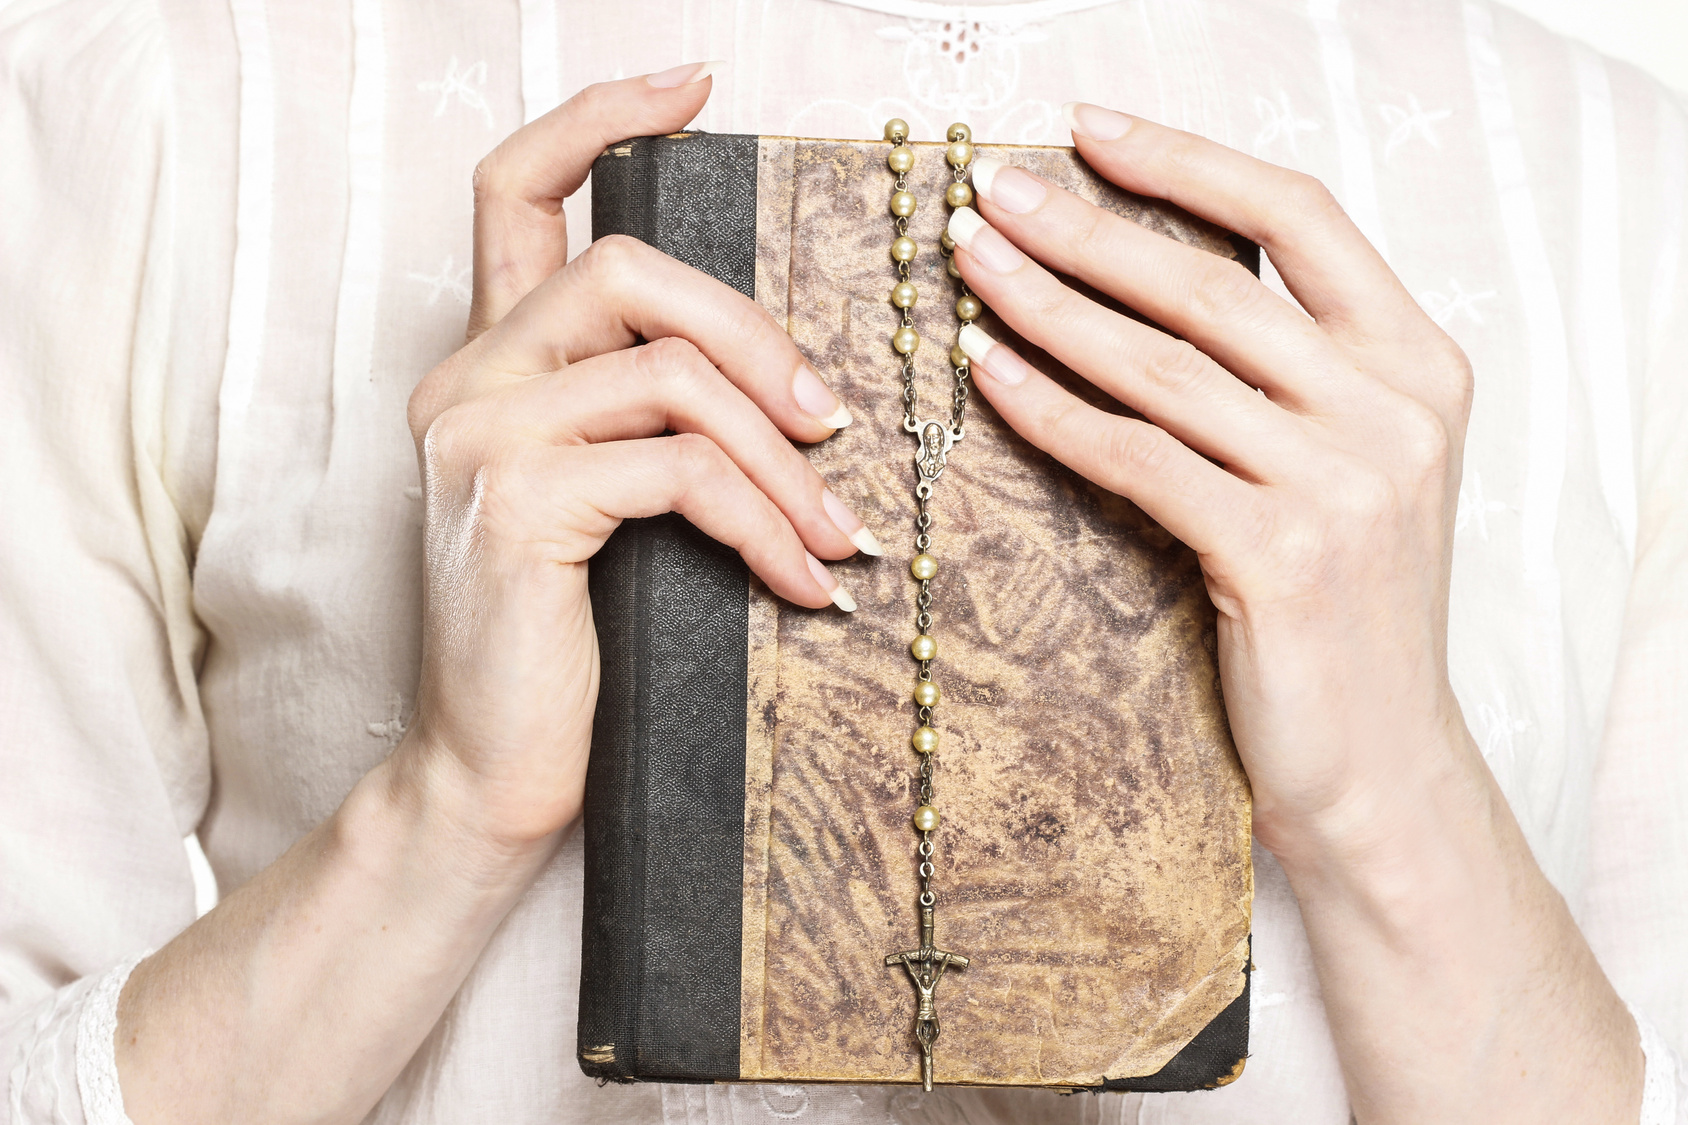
(749, 857)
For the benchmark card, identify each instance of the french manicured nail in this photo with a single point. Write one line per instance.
(850, 524)
(816, 400)
(992, 358)
(983, 241)
(1007, 186)
(684, 74)
(839, 595)
(1095, 122)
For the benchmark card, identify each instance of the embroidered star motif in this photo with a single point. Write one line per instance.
(1443, 307)
(1475, 508)
(1279, 122)
(449, 279)
(1500, 727)
(467, 87)
(1404, 124)
(391, 728)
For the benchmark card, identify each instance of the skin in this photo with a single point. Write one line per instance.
(1458, 987)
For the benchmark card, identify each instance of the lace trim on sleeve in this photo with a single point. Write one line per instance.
(1664, 1099)
(96, 1048)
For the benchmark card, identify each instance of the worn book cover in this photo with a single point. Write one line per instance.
(749, 861)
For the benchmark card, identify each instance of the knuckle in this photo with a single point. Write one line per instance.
(488, 180)
(1139, 449)
(1224, 292)
(612, 261)
(674, 362)
(1306, 204)
(449, 439)
(693, 456)
(1176, 368)
(1359, 495)
(1426, 442)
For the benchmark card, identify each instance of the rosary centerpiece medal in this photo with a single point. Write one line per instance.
(934, 439)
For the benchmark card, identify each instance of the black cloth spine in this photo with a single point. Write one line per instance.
(664, 878)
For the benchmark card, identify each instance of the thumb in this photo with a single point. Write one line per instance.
(521, 236)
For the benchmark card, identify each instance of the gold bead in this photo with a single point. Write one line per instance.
(905, 340)
(946, 242)
(925, 818)
(959, 195)
(902, 204)
(926, 693)
(954, 270)
(969, 307)
(959, 132)
(924, 647)
(959, 358)
(901, 159)
(896, 130)
(923, 567)
(904, 294)
(958, 154)
(925, 740)
(904, 248)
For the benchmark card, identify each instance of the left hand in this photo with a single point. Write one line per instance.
(1321, 505)
(1312, 459)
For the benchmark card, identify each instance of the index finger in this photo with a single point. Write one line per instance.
(1338, 276)
(521, 237)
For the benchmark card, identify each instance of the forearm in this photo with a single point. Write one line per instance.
(1457, 984)
(305, 992)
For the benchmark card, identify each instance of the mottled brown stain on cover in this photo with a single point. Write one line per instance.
(1094, 858)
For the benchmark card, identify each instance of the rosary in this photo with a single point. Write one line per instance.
(926, 965)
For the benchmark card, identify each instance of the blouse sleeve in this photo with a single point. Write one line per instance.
(1635, 902)
(102, 746)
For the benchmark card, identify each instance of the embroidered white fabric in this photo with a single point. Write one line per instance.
(262, 212)
(96, 1048)
(1664, 1091)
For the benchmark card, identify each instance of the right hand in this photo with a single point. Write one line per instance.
(548, 429)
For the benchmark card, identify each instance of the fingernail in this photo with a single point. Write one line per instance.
(1007, 186)
(839, 595)
(816, 400)
(992, 358)
(850, 524)
(684, 74)
(1095, 122)
(981, 240)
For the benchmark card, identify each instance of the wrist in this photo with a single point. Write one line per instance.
(422, 798)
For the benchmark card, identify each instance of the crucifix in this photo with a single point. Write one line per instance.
(926, 967)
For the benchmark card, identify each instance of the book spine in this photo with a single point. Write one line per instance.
(664, 817)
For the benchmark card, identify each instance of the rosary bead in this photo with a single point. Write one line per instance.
(904, 294)
(959, 358)
(958, 154)
(959, 195)
(926, 694)
(896, 130)
(905, 340)
(969, 307)
(904, 248)
(959, 132)
(902, 204)
(925, 741)
(954, 270)
(947, 242)
(924, 647)
(923, 567)
(925, 818)
(901, 159)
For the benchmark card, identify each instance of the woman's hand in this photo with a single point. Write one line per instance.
(543, 434)
(536, 439)
(1312, 459)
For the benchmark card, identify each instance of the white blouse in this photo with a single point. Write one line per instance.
(233, 234)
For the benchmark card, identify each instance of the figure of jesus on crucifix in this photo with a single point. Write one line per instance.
(926, 967)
